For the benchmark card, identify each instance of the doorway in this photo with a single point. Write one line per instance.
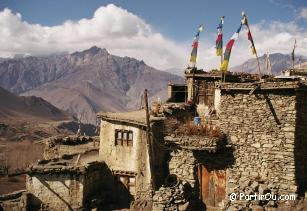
(212, 185)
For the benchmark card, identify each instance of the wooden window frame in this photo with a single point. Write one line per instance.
(124, 139)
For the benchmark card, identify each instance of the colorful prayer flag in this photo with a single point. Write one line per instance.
(224, 65)
(219, 39)
(249, 34)
(252, 45)
(195, 46)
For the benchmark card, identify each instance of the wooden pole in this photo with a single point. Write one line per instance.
(258, 65)
(221, 65)
(78, 159)
(222, 22)
(293, 54)
(148, 137)
(147, 114)
(7, 160)
(193, 84)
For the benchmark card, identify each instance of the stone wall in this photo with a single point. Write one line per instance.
(196, 142)
(180, 193)
(182, 163)
(262, 130)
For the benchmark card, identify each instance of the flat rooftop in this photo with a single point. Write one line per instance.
(263, 85)
(133, 117)
(63, 166)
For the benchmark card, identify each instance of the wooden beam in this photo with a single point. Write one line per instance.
(149, 140)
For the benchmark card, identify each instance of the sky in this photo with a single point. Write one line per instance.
(158, 32)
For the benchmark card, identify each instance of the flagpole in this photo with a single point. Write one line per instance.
(221, 64)
(258, 65)
(245, 21)
(293, 54)
(194, 56)
(222, 23)
(259, 71)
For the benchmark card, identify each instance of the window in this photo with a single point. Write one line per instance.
(130, 139)
(128, 182)
(123, 137)
(205, 93)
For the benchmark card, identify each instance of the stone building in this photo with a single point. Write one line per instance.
(267, 129)
(254, 143)
(296, 73)
(260, 148)
(60, 185)
(131, 157)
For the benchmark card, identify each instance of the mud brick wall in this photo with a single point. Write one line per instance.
(127, 158)
(67, 188)
(18, 200)
(57, 192)
(265, 129)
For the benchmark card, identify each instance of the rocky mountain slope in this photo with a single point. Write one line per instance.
(14, 106)
(86, 82)
(279, 62)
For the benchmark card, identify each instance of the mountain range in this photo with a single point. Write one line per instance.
(279, 62)
(84, 83)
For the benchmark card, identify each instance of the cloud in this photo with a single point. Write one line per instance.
(111, 27)
(125, 34)
(303, 13)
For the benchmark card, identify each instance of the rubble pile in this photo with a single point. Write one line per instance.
(259, 190)
(252, 188)
(168, 109)
(172, 198)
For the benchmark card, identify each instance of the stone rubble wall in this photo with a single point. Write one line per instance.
(267, 86)
(172, 198)
(183, 164)
(261, 128)
(195, 142)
